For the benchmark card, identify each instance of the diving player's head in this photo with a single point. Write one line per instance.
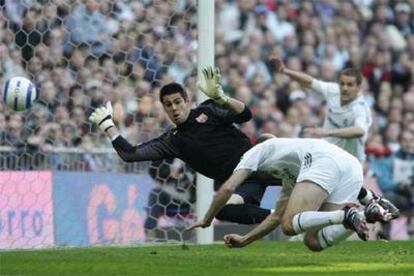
(350, 81)
(175, 101)
(264, 137)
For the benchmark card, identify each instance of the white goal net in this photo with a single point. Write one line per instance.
(61, 183)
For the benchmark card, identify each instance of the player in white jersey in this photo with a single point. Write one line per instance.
(320, 181)
(348, 117)
(347, 121)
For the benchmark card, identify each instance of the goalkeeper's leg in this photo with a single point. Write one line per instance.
(243, 213)
(244, 205)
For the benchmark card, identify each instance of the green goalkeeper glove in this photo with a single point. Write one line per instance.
(102, 116)
(211, 85)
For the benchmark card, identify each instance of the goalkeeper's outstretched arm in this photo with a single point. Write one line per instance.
(212, 88)
(235, 106)
(154, 149)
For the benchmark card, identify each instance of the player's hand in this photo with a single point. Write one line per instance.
(314, 132)
(102, 116)
(211, 85)
(202, 223)
(234, 241)
(278, 63)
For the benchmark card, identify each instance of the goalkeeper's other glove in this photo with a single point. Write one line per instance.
(211, 85)
(102, 116)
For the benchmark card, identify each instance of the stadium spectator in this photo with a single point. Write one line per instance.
(14, 11)
(394, 173)
(31, 33)
(87, 26)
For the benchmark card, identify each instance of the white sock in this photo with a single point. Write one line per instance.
(333, 234)
(367, 197)
(313, 220)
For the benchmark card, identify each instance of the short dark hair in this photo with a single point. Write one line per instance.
(352, 72)
(263, 137)
(173, 88)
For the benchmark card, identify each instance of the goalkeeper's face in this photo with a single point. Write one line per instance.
(177, 108)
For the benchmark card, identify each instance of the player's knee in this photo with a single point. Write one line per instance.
(235, 199)
(314, 247)
(287, 226)
(312, 243)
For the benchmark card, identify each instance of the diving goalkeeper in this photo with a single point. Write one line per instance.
(204, 137)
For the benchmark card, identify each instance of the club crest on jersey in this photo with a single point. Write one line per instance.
(202, 118)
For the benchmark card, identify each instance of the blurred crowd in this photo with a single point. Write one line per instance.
(81, 54)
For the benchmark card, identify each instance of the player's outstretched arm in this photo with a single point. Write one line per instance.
(212, 88)
(305, 80)
(261, 230)
(264, 228)
(347, 132)
(221, 198)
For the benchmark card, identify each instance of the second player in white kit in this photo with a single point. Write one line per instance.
(346, 124)
(353, 114)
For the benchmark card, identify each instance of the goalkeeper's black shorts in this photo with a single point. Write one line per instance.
(253, 189)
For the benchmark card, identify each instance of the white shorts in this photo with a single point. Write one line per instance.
(339, 174)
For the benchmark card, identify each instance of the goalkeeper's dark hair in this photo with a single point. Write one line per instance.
(352, 72)
(173, 88)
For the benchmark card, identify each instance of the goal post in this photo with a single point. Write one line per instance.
(205, 54)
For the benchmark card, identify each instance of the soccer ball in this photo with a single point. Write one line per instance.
(18, 93)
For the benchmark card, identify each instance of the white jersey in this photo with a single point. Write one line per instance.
(355, 113)
(315, 160)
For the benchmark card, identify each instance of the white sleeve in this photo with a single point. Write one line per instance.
(327, 89)
(252, 159)
(362, 117)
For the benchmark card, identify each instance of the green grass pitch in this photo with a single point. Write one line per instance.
(261, 258)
